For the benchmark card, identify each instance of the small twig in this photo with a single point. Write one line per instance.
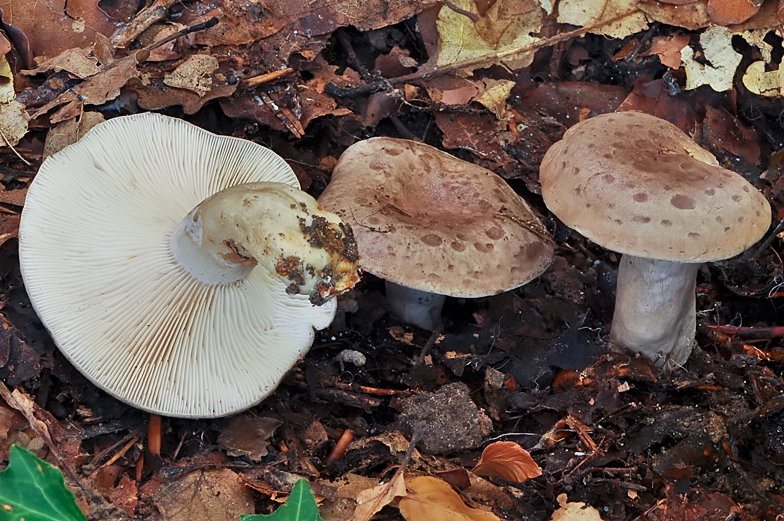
(183, 32)
(122, 452)
(148, 16)
(254, 81)
(8, 143)
(748, 332)
(430, 342)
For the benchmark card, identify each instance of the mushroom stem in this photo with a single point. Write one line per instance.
(276, 225)
(417, 307)
(655, 309)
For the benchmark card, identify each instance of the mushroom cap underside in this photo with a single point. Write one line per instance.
(429, 221)
(97, 264)
(635, 184)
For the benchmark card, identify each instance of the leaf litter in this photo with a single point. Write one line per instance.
(549, 424)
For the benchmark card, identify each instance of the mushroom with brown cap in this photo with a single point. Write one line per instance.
(433, 225)
(637, 185)
(139, 248)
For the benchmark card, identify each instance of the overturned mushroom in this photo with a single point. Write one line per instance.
(637, 185)
(432, 225)
(139, 246)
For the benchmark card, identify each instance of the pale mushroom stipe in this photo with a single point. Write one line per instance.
(635, 184)
(433, 225)
(181, 271)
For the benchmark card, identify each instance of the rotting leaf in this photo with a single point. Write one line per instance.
(716, 43)
(431, 498)
(508, 460)
(216, 495)
(246, 435)
(668, 49)
(193, 74)
(762, 82)
(692, 16)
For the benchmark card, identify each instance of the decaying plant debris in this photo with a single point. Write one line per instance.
(494, 82)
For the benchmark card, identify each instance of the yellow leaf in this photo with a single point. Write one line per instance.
(589, 12)
(430, 498)
(577, 511)
(716, 43)
(764, 83)
(505, 27)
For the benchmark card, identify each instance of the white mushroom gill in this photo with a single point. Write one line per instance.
(97, 261)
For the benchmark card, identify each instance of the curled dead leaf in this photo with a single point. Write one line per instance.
(508, 460)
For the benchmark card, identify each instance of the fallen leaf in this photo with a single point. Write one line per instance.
(193, 74)
(494, 94)
(430, 498)
(668, 49)
(69, 132)
(730, 12)
(508, 460)
(763, 82)
(13, 123)
(721, 58)
(76, 61)
(216, 495)
(247, 435)
(574, 511)
(692, 16)
(372, 500)
(584, 12)
(53, 26)
(507, 26)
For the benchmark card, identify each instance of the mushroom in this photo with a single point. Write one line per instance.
(432, 225)
(138, 247)
(637, 185)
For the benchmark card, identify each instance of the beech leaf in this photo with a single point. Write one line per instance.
(508, 460)
(430, 498)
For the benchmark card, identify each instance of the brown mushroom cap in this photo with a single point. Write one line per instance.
(635, 184)
(426, 220)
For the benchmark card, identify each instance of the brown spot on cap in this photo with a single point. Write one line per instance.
(432, 239)
(666, 222)
(736, 198)
(494, 233)
(458, 246)
(710, 191)
(641, 197)
(683, 202)
(694, 235)
(608, 178)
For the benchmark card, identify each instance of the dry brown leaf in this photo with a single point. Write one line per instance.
(216, 495)
(668, 48)
(576, 511)
(194, 74)
(69, 132)
(76, 61)
(729, 12)
(247, 435)
(508, 460)
(692, 16)
(13, 123)
(53, 26)
(371, 500)
(430, 498)
(506, 26)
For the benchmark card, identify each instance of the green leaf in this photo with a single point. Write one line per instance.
(301, 506)
(33, 490)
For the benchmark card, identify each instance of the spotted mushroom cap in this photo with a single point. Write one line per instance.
(635, 184)
(429, 221)
(95, 253)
